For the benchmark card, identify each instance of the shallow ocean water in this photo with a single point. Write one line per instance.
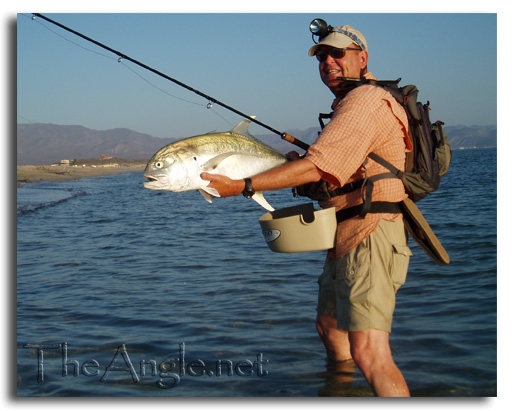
(122, 291)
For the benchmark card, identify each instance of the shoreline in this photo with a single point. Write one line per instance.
(35, 174)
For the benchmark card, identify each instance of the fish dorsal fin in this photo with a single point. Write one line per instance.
(214, 162)
(242, 128)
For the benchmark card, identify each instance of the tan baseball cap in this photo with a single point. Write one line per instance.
(341, 37)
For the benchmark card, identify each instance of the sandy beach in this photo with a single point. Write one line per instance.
(31, 174)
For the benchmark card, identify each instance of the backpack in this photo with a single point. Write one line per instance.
(431, 155)
(428, 161)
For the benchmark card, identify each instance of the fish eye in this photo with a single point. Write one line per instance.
(159, 164)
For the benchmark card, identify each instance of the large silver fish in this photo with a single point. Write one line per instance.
(235, 153)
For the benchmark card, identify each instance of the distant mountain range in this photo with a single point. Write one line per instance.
(48, 143)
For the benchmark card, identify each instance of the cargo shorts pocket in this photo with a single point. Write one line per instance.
(354, 277)
(400, 265)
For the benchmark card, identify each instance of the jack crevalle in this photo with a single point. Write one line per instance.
(235, 154)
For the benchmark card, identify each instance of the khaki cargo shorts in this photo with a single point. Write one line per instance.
(359, 289)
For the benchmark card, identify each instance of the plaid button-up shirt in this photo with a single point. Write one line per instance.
(368, 119)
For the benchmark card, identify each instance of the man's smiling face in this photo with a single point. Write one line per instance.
(350, 65)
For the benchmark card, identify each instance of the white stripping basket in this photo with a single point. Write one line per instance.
(299, 228)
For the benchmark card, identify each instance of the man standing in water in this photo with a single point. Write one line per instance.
(370, 259)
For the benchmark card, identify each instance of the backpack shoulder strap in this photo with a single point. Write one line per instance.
(375, 157)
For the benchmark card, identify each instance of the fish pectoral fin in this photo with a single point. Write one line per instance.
(214, 162)
(208, 193)
(258, 197)
(206, 196)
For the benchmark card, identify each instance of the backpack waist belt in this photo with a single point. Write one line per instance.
(376, 207)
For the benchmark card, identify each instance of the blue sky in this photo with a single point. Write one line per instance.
(255, 62)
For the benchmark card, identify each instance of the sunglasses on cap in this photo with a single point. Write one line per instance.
(335, 53)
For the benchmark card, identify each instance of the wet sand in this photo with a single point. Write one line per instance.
(31, 174)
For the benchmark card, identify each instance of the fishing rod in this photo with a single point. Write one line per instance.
(211, 100)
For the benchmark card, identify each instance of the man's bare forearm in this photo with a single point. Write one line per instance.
(290, 174)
